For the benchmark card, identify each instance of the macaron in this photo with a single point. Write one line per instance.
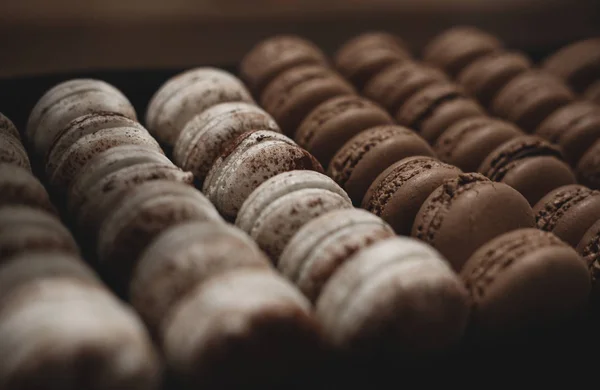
(108, 162)
(80, 127)
(8, 127)
(568, 212)
(592, 92)
(522, 281)
(577, 63)
(397, 298)
(362, 57)
(574, 127)
(249, 322)
(13, 152)
(18, 186)
(358, 163)
(456, 48)
(531, 97)
(588, 168)
(274, 55)
(325, 243)
(184, 256)
(280, 206)
(292, 95)
(398, 192)
(67, 101)
(142, 213)
(589, 249)
(466, 212)
(206, 135)
(87, 147)
(51, 328)
(394, 85)
(188, 94)
(529, 164)
(251, 159)
(335, 121)
(433, 109)
(469, 141)
(25, 229)
(484, 77)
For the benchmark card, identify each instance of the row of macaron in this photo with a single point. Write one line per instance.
(55, 312)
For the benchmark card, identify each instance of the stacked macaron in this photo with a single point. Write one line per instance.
(56, 316)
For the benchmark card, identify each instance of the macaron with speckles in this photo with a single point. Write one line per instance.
(589, 249)
(12, 150)
(18, 186)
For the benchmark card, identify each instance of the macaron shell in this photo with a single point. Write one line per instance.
(24, 238)
(466, 212)
(18, 186)
(577, 63)
(371, 39)
(485, 77)
(589, 249)
(445, 114)
(399, 191)
(275, 55)
(13, 214)
(588, 168)
(89, 146)
(12, 152)
(469, 141)
(278, 222)
(181, 258)
(193, 99)
(8, 127)
(327, 128)
(278, 186)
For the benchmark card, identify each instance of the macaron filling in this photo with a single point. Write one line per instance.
(417, 122)
(553, 211)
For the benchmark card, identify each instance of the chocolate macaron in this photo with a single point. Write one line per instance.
(18, 186)
(188, 94)
(280, 206)
(435, 108)
(574, 127)
(358, 163)
(466, 212)
(398, 192)
(523, 281)
(292, 95)
(592, 92)
(568, 212)
(531, 97)
(394, 85)
(183, 256)
(397, 298)
(529, 164)
(206, 135)
(469, 141)
(588, 168)
(457, 47)
(335, 121)
(362, 57)
(324, 244)
(577, 63)
(589, 249)
(247, 162)
(274, 55)
(484, 77)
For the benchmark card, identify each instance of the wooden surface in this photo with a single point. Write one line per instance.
(49, 36)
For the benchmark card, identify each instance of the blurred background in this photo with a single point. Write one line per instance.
(136, 44)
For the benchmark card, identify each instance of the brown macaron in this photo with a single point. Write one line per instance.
(593, 92)
(362, 57)
(398, 192)
(568, 212)
(327, 128)
(457, 47)
(466, 212)
(589, 249)
(578, 63)
(522, 281)
(588, 168)
(358, 163)
(469, 141)
(18, 186)
(574, 127)
(484, 78)
(394, 85)
(13, 152)
(529, 164)
(292, 95)
(435, 108)
(531, 97)
(274, 55)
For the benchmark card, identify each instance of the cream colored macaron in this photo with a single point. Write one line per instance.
(18, 186)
